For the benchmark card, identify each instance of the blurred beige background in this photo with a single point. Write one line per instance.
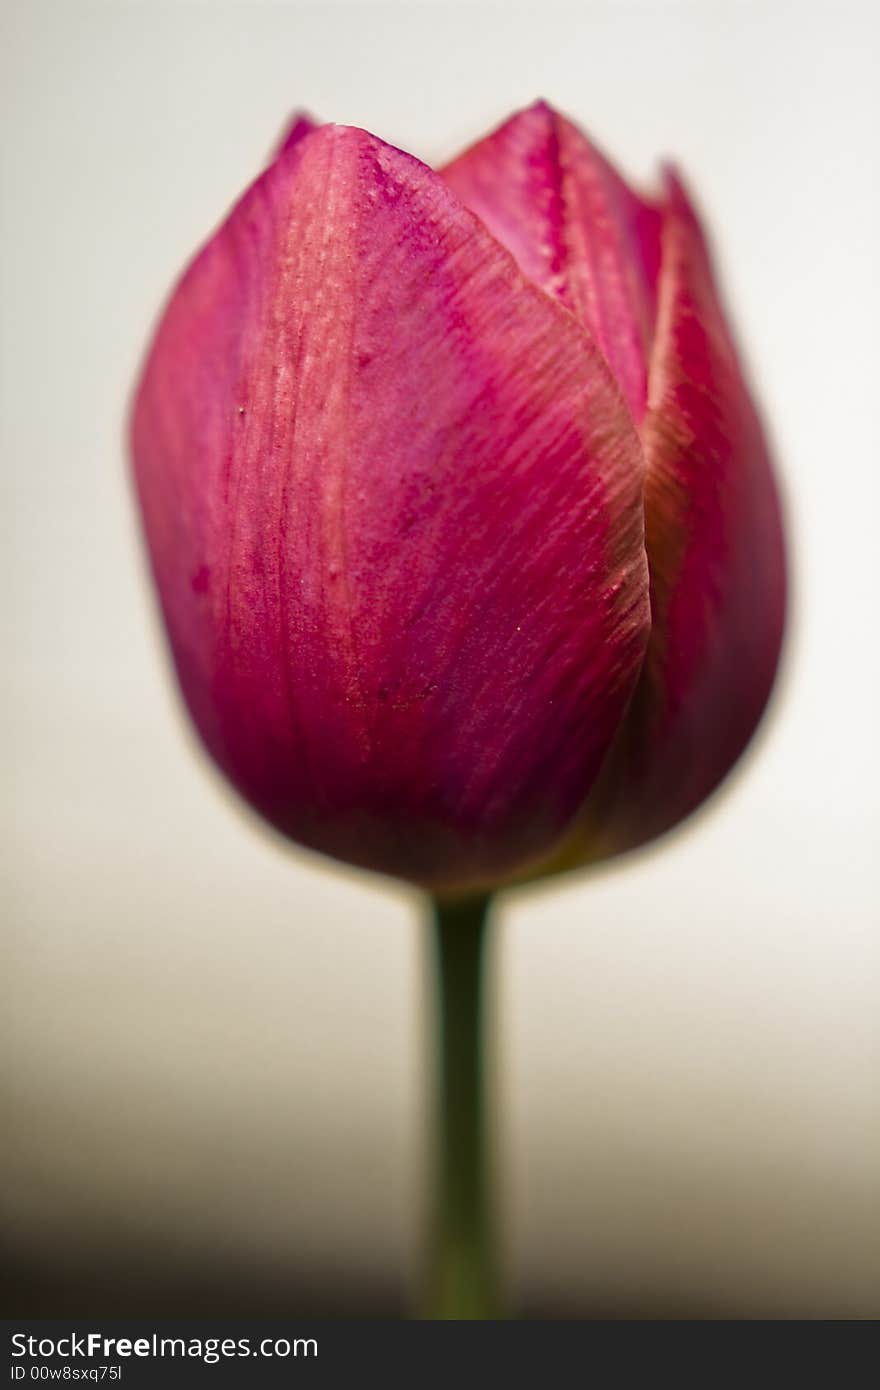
(213, 1045)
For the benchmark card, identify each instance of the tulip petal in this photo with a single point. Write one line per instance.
(299, 125)
(574, 227)
(393, 501)
(716, 557)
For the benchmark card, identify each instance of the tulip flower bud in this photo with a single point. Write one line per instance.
(458, 507)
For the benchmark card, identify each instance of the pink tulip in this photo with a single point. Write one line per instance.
(459, 508)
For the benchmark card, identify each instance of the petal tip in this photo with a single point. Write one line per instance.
(297, 126)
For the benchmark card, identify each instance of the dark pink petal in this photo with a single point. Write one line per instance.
(716, 557)
(393, 501)
(299, 125)
(574, 227)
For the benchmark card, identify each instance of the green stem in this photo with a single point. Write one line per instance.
(462, 1284)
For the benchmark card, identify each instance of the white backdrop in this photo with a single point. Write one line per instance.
(216, 1040)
